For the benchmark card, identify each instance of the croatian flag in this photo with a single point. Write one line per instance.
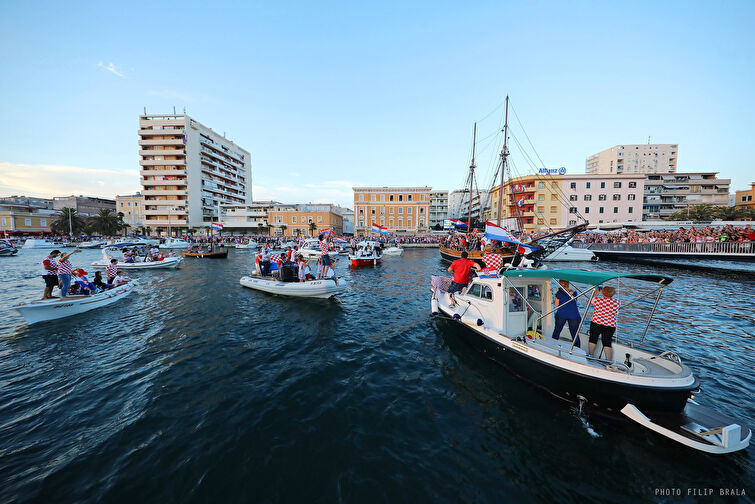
(495, 232)
(520, 203)
(457, 223)
(376, 228)
(326, 232)
(217, 226)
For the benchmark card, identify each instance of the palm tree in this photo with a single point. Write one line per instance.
(312, 228)
(106, 222)
(283, 229)
(67, 220)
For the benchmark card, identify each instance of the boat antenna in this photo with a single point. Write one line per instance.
(504, 155)
(471, 178)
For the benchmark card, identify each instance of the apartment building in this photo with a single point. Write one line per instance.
(634, 158)
(20, 218)
(45, 203)
(85, 206)
(188, 171)
(459, 207)
(249, 218)
(304, 220)
(745, 198)
(438, 208)
(402, 210)
(667, 194)
(132, 208)
(544, 201)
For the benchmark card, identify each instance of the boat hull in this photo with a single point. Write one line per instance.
(168, 263)
(570, 386)
(7, 252)
(207, 255)
(359, 262)
(41, 311)
(569, 253)
(312, 289)
(393, 251)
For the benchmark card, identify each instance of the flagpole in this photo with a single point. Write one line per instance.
(471, 178)
(504, 154)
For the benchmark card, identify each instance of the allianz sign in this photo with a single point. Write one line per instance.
(552, 171)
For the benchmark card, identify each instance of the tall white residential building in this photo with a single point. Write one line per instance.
(438, 208)
(188, 171)
(635, 158)
(666, 194)
(458, 204)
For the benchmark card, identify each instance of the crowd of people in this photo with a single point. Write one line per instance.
(58, 272)
(291, 265)
(681, 235)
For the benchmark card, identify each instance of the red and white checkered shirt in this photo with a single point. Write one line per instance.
(65, 267)
(324, 247)
(605, 311)
(111, 270)
(52, 263)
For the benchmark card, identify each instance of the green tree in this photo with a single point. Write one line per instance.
(66, 216)
(283, 229)
(312, 228)
(106, 222)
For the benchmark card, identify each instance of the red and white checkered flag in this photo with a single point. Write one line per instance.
(494, 261)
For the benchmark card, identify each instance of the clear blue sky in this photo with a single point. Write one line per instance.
(325, 94)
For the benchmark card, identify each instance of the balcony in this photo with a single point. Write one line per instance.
(176, 141)
(147, 123)
(162, 181)
(163, 222)
(165, 192)
(160, 132)
(164, 212)
(170, 173)
(162, 162)
(177, 152)
(166, 202)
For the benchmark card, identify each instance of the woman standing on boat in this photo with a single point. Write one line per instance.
(65, 270)
(603, 322)
(568, 312)
(50, 265)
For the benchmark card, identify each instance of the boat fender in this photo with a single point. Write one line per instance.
(434, 306)
(479, 322)
(457, 316)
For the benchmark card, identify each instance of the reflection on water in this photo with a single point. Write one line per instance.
(195, 388)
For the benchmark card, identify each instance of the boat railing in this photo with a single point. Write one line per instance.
(728, 247)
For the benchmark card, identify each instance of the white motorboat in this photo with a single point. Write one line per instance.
(366, 254)
(91, 244)
(568, 253)
(139, 262)
(393, 251)
(7, 249)
(43, 243)
(510, 318)
(41, 310)
(310, 249)
(323, 288)
(251, 245)
(174, 244)
(128, 242)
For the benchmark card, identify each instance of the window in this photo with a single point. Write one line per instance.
(541, 221)
(382, 197)
(361, 197)
(572, 197)
(390, 198)
(422, 210)
(541, 209)
(408, 210)
(573, 222)
(373, 197)
(631, 210)
(572, 209)
(409, 197)
(553, 222)
(541, 198)
(515, 299)
(400, 209)
(617, 197)
(554, 209)
(382, 210)
(540, 185)
(587, 185)
(573, 185)
(587, 209)
(293, 219)
(533, 292)
(632, 185)
(361, 210)
(617, 185)
(602, 185)
(554, 197)
(631, 197)
(615, 209)
(372, 211)
(5, 222)
(401, 197)
(588, 197)
(390, 210)
(601, 197)
(554, 185)
(43, 222)
(600, 210)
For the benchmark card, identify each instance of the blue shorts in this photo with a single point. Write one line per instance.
(326, 260)
(456, 287)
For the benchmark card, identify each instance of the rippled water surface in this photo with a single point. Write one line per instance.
(195, 389)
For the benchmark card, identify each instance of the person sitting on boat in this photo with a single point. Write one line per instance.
(603, 323)
(160, 256)
(305, 273)
(265, 262)
(120, 280)
(568, 312)
(460, 269)
(85, 286)
(330, 273)
(111, 270)
(50, 273)
(65, 270)
(99, 283)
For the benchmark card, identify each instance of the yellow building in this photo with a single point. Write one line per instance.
(132, 208)
(402, 210)
(296, 220)
(23, 219)
(540, 206)
(746, 197)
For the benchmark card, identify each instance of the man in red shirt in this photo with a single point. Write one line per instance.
(460, 269)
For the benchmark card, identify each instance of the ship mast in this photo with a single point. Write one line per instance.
(471, 178)
(504, 155)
